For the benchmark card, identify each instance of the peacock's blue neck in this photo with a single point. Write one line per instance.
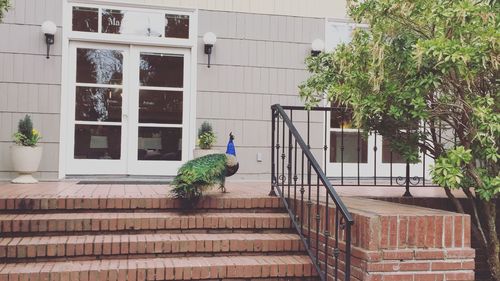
(230, 148)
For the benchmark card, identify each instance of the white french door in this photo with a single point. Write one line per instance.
(128, 109)
(159, 110)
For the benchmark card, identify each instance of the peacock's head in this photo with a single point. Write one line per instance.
(230, 145)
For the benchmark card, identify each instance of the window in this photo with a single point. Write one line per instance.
(130, 22)
(390, 156)
(346, 142)
(85, 19)
(176, 26)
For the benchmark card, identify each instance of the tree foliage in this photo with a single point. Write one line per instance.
(425, 75)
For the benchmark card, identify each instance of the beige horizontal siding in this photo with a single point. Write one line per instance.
(257, 61)
(302, 8)
(30, 83)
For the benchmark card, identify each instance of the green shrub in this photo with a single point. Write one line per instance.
(26, 135)
(206, 136)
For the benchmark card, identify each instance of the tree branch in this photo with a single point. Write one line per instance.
(476, 228)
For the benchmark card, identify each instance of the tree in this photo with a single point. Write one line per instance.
(4, 6)
(425, 75)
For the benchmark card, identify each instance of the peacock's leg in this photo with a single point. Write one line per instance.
(223, 185)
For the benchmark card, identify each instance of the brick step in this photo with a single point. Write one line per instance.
(184, 268)
(25, 249)
(161, 202)
(43, 224)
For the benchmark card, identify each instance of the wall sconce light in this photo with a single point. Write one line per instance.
(317, 46)
(49, 29)
(209, 39)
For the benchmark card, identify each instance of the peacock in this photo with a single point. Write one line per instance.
(200, 174)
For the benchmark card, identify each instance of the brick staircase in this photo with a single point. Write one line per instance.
(99, 238)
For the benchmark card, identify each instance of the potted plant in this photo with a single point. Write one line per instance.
(206, 139)
(26, 155)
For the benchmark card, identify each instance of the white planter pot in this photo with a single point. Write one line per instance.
(197, 153)
(25, 161)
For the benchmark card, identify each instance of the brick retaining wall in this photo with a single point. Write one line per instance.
(481, 267)
(399, 242)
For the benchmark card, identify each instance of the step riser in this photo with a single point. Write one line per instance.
(39, 225)
(164, 269)
(81, 247)
(69, 204)
(162, 231)
(138, 211)
(146, 256)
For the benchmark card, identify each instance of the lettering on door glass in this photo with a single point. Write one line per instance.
(132, 23)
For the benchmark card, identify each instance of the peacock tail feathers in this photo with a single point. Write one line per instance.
(199, 174)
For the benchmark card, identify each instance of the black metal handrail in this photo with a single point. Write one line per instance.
(312, 225)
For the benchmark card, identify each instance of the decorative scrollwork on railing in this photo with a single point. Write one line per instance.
(402, 181)
(342, 223)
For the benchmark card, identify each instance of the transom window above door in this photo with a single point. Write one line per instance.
(131, 22)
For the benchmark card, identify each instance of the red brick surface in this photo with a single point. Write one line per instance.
(58, 233)
(426, 245)
(96, 222)
(136, 244)
(188, 268)
(111, 235)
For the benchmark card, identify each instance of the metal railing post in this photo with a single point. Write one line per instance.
(407, 181)
(274, 180)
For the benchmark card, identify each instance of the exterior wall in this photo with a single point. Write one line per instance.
(305, 8)
(257, 61)
(30, 83)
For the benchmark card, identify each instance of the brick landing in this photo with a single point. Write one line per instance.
(65, 231)
(68, 189)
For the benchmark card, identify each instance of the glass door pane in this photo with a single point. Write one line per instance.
(159, 144)
(350, 153)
